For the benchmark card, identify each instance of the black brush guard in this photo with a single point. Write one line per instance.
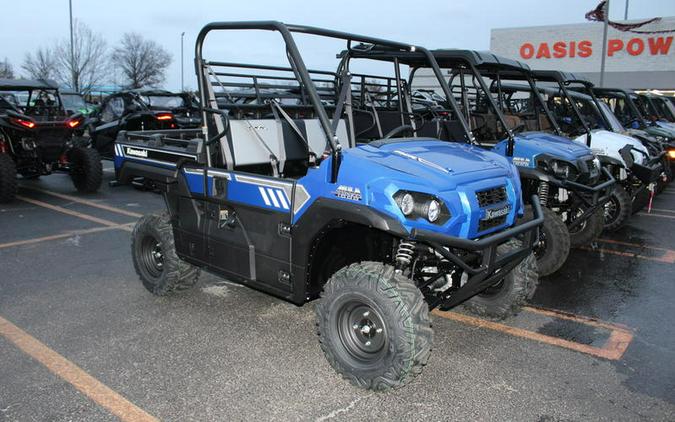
(593, 197)
(492, 267)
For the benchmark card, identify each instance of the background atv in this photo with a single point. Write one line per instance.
(275, 194)
(565, 175)
(630, 114)
(629, 161)
(140, 109)
(36, 138)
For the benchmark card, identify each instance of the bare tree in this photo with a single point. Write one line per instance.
(41, 65)
(6, 70)
(88, 65)
(142, 62)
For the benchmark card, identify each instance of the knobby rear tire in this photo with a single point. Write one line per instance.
(174, 274)
(8, 184)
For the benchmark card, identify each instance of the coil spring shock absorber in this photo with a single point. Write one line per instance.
(404, 254)
(542, 191)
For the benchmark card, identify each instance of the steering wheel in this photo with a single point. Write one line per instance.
(397, 130)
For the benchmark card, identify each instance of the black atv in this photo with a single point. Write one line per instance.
(140, 110)
(36, 138)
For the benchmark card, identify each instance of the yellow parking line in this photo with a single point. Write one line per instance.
(635, 245)
(667, 258)
(67, 211)
(657, 215)
(86, 202)
(126, 227)
(98, 392)
(614, 347)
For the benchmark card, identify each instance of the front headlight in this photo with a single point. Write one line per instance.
(433, 210)
(407, 204)
(415, 205)
(560, 169)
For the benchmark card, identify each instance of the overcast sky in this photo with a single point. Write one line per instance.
(433, 24)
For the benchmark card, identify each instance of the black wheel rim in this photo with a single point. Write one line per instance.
(152, 256)
(611, 210)
(362, 331)
(540, 249)
(579, 227)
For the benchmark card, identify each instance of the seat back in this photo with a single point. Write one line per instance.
(247, 136)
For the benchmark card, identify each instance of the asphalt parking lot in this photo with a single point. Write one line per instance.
(82, 340)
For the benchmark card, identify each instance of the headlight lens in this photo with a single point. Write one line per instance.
(433, 210)
(415, 205)
(407, 204)
(561, 169)
(596, 163)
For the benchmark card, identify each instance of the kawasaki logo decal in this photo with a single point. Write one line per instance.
(496, 212)
(137, 152)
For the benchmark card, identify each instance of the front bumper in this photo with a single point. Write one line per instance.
(649, 172)
(492, 267)
(591, 197)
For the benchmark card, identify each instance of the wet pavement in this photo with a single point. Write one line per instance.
(596, 343)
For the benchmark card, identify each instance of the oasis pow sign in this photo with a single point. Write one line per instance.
(584, 48)
(578, 47)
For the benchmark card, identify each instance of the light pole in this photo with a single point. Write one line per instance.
(182, 82)
(625, 13)
(72, 48)
(604, 44)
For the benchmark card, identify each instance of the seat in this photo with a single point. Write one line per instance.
(250, 140)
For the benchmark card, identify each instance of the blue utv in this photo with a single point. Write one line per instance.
(568, 179)
(274, 192)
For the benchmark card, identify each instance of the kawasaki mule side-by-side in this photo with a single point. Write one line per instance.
(569, 181)
(275, 193)
(627, 109)
(626, 157)
(36, 138)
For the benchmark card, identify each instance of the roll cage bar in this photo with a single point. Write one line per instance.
(565, 79)
(209, 104)
(486, 63)
(626, 96)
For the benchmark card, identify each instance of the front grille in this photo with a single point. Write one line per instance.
(491, 196)
(491, 223)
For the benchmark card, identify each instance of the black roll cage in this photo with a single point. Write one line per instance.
(508, 69)
(564, 80)
(208, 105)
(626, 96)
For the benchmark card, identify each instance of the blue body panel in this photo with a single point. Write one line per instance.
(529, 145)
(370, 176)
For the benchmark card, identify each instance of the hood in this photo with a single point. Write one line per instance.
(665, 125)
(529, 145)
(608, 143)
(432, 161)
(660, 131)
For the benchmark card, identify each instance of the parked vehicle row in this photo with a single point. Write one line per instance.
(379, 200)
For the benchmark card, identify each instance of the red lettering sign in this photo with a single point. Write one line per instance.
(526, 50)
(543, 51)
(584, 48)
(659, 46)
(635, 46)
(613, 46)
